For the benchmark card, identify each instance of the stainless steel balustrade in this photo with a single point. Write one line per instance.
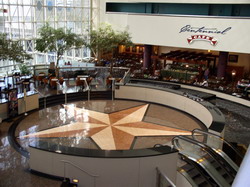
(198, 152)
(190, 166)
(216, 142)
(82, 170)
(162, 179)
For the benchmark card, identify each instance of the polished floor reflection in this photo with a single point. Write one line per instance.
(120, 115)
(105, 124)
(14, 168)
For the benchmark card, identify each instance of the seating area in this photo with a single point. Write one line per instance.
(75, 80)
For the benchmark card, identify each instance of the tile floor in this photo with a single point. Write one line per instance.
(14, 168)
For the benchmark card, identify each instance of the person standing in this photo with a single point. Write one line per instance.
(206, 74)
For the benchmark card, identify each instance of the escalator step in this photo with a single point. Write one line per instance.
(187, 167)
(193, 173)
(214, 164)
(199, 180)
(228, 178)
(204, 184)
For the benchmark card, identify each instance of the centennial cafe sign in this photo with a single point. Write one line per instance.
(202, 33)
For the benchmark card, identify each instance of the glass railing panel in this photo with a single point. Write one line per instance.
(198, 153)
(218, 144)
(126, 77)
(191, 150)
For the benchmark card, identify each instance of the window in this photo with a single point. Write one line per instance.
(23, 19)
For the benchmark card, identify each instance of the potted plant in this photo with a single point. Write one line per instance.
(57, 41)
(24, 70)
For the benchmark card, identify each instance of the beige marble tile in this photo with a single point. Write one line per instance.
(150, 132)
(122, 139)
(128, 116)
(105, 139)
(116, 130)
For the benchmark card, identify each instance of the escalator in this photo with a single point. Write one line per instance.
(195, 174)
(204, 167)
(219, 145)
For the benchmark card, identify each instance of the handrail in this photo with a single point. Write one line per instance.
(68, 162)
(39, 92)
(219, 137)
(207, 149)
(159, 172)
(188, 140)
(195, 165)
(82, 170)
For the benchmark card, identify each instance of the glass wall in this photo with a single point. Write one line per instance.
(21, 20)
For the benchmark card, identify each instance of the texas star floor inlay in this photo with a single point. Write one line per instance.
(114, 131)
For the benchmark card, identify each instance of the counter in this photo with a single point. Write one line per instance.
(25, 104)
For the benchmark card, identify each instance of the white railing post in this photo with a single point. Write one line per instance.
(24, 98)
(112, 86)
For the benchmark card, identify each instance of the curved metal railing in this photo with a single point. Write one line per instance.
(199, 131)
(161, 174)
(82, 170)
(204, 156)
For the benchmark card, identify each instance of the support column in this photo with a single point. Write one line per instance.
(147, 57)
(221, 69)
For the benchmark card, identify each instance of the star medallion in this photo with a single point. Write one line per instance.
(114, 131)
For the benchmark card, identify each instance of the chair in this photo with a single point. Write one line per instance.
(89, 79)
(61, 80)
(79, 82)
(53, 82)
(45, 81)
(40, 77)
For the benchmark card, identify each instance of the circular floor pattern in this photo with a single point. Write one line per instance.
(105, 124)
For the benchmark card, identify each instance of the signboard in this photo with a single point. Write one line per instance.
(202, 33)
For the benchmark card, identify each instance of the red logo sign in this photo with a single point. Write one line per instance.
(210, 39)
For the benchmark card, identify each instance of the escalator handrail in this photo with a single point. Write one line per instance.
(195, 165)
(219, 137)
(193, 141)
(205, 148)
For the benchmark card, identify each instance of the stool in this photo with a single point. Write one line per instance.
(26, 85)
